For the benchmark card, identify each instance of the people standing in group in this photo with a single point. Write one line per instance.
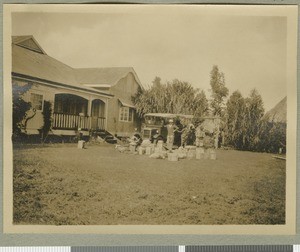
(186, 132)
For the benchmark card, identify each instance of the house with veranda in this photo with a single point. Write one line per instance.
(90, 99)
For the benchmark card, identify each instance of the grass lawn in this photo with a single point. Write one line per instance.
(62, 185)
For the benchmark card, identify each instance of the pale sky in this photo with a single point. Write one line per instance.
(250, 50)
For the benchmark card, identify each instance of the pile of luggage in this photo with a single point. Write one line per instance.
(159, 151)
(204, 149)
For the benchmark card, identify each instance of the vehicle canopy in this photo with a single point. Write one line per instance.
(162, 118)
(168, 115)
(155, 124)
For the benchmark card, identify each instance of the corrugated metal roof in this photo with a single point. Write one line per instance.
(105, 75)
(41, 66)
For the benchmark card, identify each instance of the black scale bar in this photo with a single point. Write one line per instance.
(233, 248)
(241, 248)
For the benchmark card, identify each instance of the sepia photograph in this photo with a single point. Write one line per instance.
(125, 116)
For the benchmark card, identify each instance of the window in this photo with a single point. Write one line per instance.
(130, 115)
(36, 101)
(126, 114)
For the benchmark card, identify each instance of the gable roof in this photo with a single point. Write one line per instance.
(41, 67)
(18, 39)
(278, 113)
(29, 59)
(28, 42)
(104, 77)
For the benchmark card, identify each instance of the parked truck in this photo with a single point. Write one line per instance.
(154, 126)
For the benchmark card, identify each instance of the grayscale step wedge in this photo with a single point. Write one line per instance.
(126, 249)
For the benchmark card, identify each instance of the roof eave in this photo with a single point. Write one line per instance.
(53, 83)
(97, 85)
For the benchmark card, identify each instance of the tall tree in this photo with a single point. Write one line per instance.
(253, 115)
(218, 90)
(235, 124)
(156, 81)
(244, 120)
(176, 97)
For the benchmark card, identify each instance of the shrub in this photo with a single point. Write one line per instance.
(47, 115)
(20, 107)
(272, 137)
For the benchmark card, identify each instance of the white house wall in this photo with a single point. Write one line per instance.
(49, 92)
